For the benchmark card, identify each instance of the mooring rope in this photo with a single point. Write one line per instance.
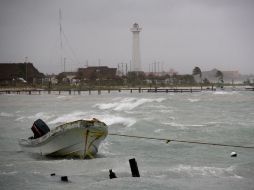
(181, 141)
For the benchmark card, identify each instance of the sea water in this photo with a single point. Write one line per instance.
(224, 117)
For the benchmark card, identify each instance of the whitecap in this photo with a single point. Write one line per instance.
(61, 97)
(205, 171)
(42, 115)
(127, 104)
(173, 124)
(108, 119)
(225, 93)
(9, 165)
(196, 125)
(20, 118)
(4, 114)
(193, 100)
(104, 147)
(166, 111)
(111, 120)
(69, 117)
(182, 126)
(35, 172)
(9, 173)
(158, 130)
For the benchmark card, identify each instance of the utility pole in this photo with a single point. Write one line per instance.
(118, 69)
(86, 63)
(64, 63)
(122, 68)
(26, 60)
(61, 38)
(158, 68)
(155, 68)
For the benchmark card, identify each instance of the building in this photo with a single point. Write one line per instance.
(19, 72)
(67, 77)
(228, 76)
(94, 73)
(136, 62)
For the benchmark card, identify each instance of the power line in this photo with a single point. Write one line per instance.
(181, 141)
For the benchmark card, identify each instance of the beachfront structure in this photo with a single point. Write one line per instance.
(136, 62)
(19, 72)
(99, 72)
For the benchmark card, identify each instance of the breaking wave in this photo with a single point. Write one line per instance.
(108, 119)
(127, 104)
(111, 120)
(105, 147)
(41, 115)
(69, 117)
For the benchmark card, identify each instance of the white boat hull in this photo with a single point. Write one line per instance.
(75, 139)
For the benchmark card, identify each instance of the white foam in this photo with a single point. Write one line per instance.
(4, 114)
(127, 104)
(225, 93)
(9, 165)
(111, 120)
(167, 111)
(193, 100)
(41, 115)
(104, 147)
(61, 97)
(173, 124)
(213, 124)
(158, 130)
(20, 118)
(205, 171)
(183, 126)
(8, 173)
(108, 119)
(69, 117)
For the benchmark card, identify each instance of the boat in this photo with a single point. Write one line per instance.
(79, 138)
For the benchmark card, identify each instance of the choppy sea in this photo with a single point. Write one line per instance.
(225, 117)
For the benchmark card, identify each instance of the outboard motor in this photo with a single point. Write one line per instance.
(39, 128)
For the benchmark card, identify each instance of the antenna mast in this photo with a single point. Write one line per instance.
(61, 38)
(60, 28)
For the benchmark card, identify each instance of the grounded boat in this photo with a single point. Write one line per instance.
(79, 138)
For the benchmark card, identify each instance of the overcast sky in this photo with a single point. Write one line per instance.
(180, 34)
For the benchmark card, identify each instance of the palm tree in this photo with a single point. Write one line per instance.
(219, 75)
(197, 71)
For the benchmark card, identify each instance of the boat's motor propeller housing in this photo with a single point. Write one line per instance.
(39, 128)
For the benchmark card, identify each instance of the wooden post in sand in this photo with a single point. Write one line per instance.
(134, 167)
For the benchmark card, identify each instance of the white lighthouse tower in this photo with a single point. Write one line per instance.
(136, 63)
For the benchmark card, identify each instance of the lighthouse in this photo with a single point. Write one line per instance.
(136, 62)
